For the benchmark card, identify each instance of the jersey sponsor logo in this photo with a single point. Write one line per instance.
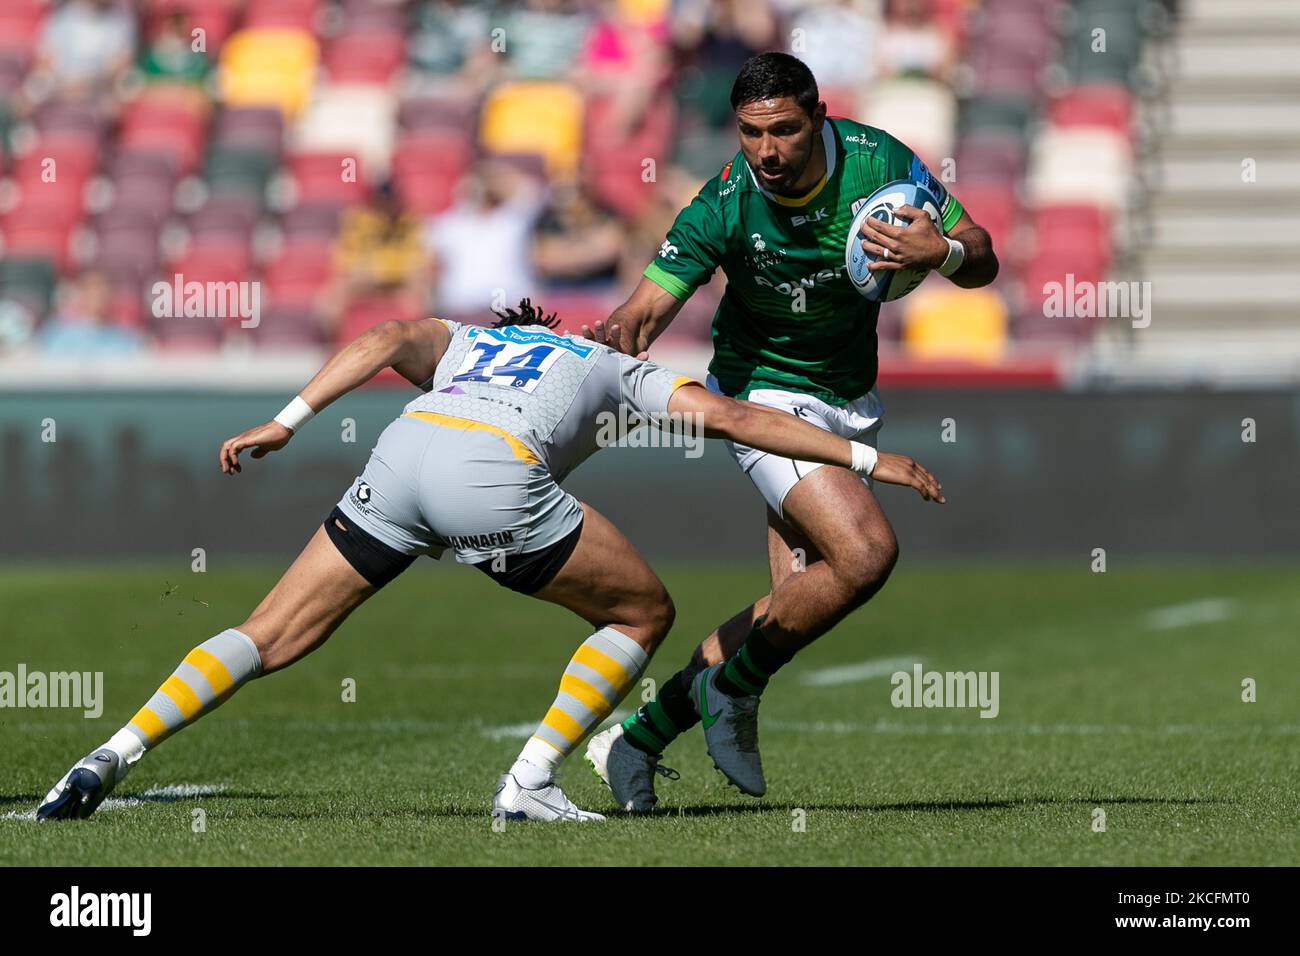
(522, 336)
(807, 282)
(861, 140)
(667, 250)
(818, 216)
(724, 193)
(477, 541)
(759, 242)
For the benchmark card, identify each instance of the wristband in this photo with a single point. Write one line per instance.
(956, 256)
(864, 458)
(296, 414)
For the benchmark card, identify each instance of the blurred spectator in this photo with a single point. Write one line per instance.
(380, 251)
(85, 328)
(543, 37)
(712, 40)
(170, 56)
(578, 241)
(450, 44)
(624, 68)
(913, 43)
(837, 39)
(481, 244)
(85, 46)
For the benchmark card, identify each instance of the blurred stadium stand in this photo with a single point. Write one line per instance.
(367, 159)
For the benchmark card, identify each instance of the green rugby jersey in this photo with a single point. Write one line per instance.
(769, 247)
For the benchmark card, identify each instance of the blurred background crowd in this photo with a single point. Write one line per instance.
(372, 159)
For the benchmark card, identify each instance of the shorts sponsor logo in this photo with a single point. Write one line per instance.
(479, 541)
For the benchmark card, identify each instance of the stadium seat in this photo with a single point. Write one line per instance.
(298, 15)
(427, 166)
(310, 222)
(945, 322)
(369, 56)
(535, 117)
(29, 280)
(370, 311)
(995, 206)
(1087, 165)
(918, 112)
(357, 120)
(273, 66)
(1107, 107)
(288, 325)
(319, 179)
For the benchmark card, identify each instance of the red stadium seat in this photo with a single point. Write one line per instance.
(319, 179)
(1097, 105)
(298, 14)
(427, 166)
(365, 57)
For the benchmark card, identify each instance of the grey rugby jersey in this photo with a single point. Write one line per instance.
(552, 392)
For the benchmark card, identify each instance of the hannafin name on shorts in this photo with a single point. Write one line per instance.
(627, 428)
(79, 690)
(946, 689)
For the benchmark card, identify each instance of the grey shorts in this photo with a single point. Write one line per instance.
(435, 482)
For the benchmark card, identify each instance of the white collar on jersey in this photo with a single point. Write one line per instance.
(828, 141)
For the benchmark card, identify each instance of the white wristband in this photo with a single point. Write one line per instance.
(296, 414)
(864, 458)
(956, 256)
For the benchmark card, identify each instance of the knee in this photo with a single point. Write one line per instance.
(869, 563)
(658, 617)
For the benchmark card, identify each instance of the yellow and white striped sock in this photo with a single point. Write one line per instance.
(599, 676)
(208, 676)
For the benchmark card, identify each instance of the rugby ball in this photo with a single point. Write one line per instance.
(888, 284)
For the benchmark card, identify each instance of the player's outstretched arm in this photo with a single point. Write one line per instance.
(785, 435)
(637, 322)
(412, 349)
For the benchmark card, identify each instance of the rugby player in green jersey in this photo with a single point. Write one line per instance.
(791, 333)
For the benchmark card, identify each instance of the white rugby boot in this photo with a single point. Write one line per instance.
(514, 801)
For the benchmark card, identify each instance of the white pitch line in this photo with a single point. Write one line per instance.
(989, 728)
(168, 794)
(853, 673)
(1204, 611)
(522, 731)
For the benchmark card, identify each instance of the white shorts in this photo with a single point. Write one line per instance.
(774, 476)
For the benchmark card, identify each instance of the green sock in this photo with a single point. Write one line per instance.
(748, 670)
(657, 724)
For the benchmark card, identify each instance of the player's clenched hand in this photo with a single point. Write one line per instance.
(901, 470)
(918, 245)
(264, 438)
(612, 336)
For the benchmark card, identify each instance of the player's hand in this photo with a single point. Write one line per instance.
(269, 437)
(918, 245)
(612, 336)
(901, 470)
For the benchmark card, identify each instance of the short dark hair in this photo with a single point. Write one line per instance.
(768, 76)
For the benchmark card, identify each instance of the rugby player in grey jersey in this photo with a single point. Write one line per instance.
(474, 465)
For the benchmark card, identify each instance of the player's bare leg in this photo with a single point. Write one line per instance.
(607, 583)
(313, 597)
(831, 553)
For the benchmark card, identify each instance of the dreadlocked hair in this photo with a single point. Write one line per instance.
(526, 314)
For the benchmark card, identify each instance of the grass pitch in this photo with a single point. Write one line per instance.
(1119, 691)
